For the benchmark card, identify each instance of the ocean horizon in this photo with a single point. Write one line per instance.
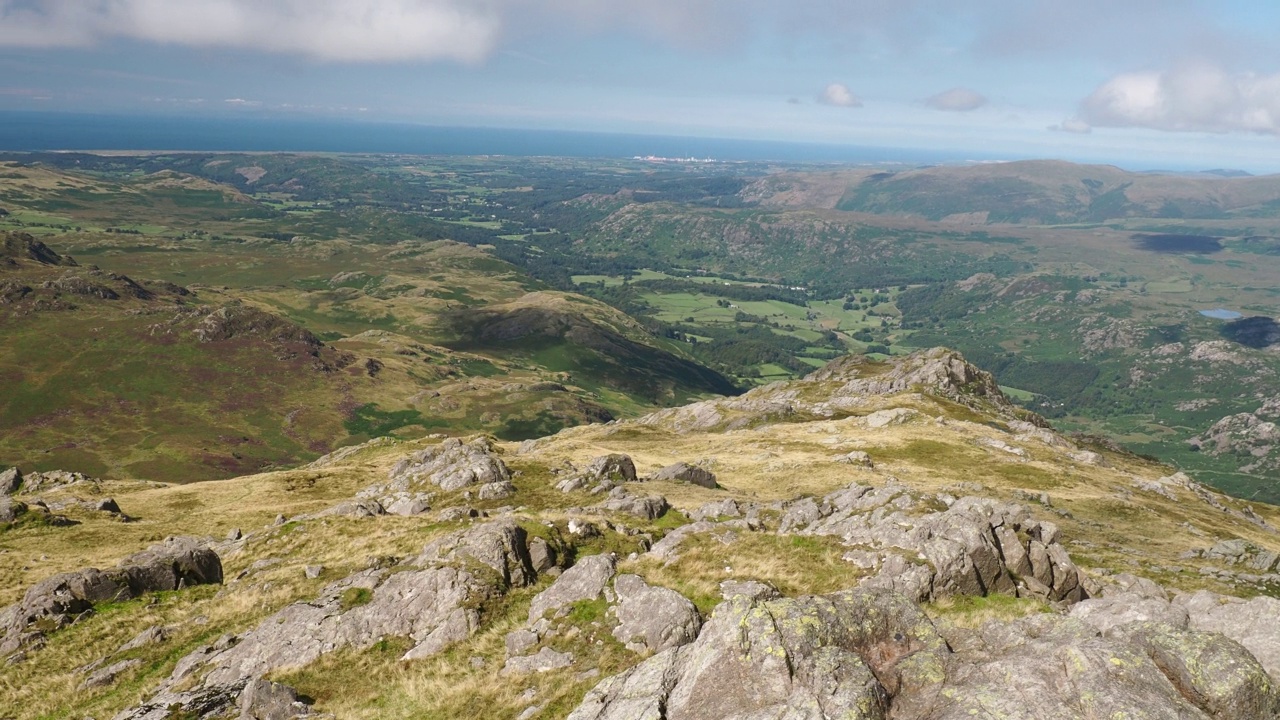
(45, 132)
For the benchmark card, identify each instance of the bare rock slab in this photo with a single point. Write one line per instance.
(544, 660)
(652, 618)
(586, 580)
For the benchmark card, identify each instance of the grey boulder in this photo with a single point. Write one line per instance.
(107, 675)
(652, 618)
(11, 510)
(59, 600)
(649, 507)
(544, 660)
(684, 472)
(497, 490)
(614, 467)
(264, 700)
(10, 481)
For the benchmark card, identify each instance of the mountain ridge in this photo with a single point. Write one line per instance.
(434, 556)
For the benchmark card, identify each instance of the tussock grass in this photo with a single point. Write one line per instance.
(795, 565)
(973, 611)
(466, 679)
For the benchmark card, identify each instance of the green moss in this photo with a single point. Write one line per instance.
(355, 597)
(669, 521)
(588, 611)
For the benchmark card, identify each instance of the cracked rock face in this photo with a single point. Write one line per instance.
(974, 547)
(810, 657)
(1050, 666)
(1251, 623)
(874, 654)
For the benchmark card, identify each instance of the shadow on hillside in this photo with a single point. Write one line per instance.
(1256, 332)
(1164, 243)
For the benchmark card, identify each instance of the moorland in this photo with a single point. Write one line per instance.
(301, 302)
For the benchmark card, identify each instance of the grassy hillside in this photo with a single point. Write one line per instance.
(333, 336)
(1033, 192)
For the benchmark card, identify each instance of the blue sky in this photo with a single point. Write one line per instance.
(1144, 83)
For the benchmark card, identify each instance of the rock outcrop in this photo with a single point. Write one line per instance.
(586, 580)
(59, 600)
(614, 467)
(870, 653)
(432, 599)
(264, 700)
(841, 387)
(648, 507)
(1252, 436)
(11, 510)
(10, 481)
(1252, 623)
(974, 547)
(449, 466)
(602, 474)
(38, 482)
(24, 246)
(813, 657)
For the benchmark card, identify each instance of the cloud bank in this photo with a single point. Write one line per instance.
(469, 30)
(1189, 98)
(957, 100)
(339, 30)
(839, 95)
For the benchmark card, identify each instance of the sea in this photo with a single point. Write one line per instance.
(45, 131)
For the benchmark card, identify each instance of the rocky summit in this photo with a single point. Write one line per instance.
(879, 540)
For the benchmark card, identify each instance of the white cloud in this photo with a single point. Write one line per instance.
(1192, 98)
(839, 95)
(342, 30)
(957, 100)
(1073, 125)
